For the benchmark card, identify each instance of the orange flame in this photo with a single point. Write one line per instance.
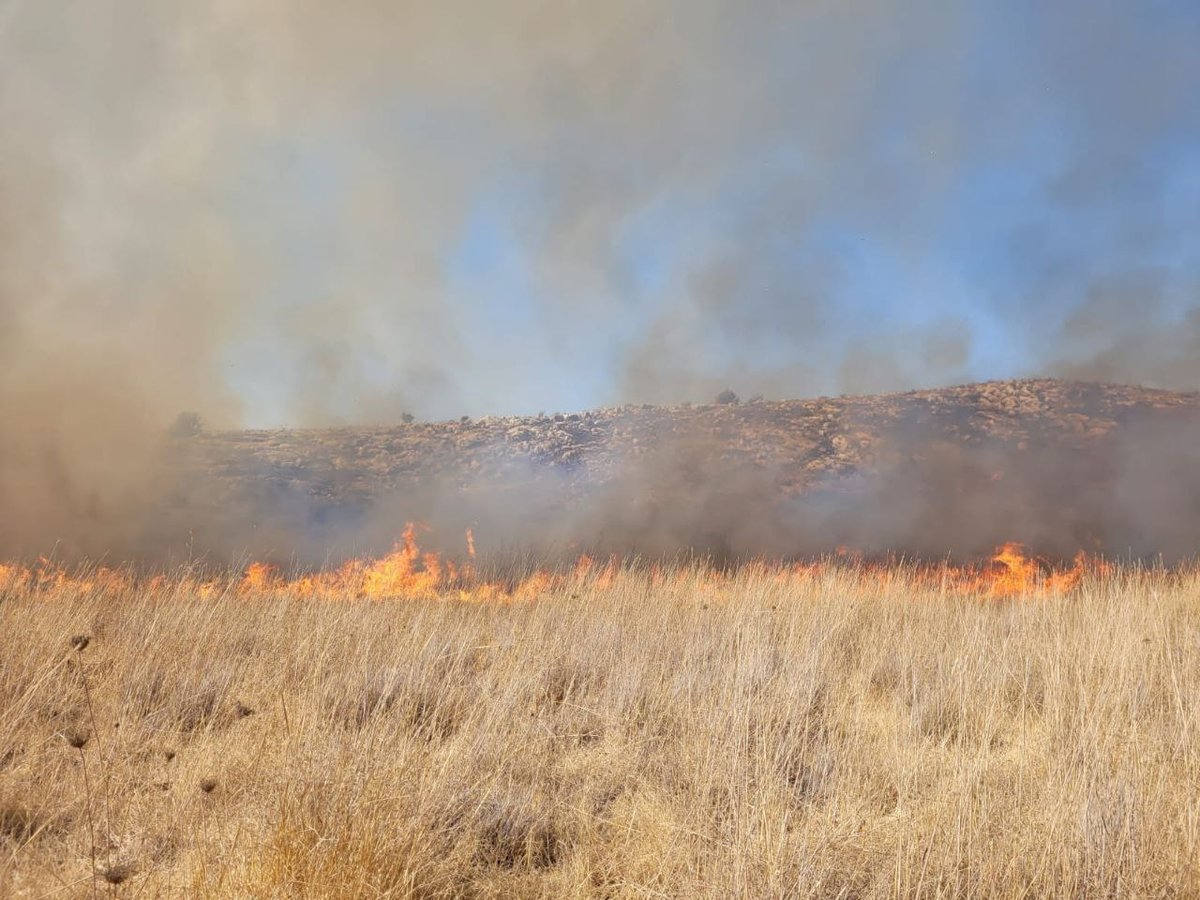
(259, 576)
(1013, 573)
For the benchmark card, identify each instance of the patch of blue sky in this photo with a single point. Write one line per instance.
(502, 309)
(283, 196)
(489, 264)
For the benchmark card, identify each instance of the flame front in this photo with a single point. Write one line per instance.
(407, 572)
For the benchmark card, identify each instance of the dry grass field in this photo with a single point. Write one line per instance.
(845, 732)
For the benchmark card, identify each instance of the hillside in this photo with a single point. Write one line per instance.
(1063, 465)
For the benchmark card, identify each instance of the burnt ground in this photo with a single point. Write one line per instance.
(1059, 465)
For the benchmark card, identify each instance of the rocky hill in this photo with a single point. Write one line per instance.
(1062, 465)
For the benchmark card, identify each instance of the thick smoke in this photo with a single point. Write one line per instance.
(307, 213)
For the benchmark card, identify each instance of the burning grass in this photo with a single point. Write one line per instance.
(837, 729)
(408, 573)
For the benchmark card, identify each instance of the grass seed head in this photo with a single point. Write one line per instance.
(118, 873)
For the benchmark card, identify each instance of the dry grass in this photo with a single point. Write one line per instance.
(846, 736)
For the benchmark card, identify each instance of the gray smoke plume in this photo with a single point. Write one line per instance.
(267, 213)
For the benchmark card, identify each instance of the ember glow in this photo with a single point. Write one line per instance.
(410, 573)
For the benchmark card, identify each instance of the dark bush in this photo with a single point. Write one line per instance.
(186, 425)
(727, 398)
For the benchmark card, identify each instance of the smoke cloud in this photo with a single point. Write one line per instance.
(303, 213)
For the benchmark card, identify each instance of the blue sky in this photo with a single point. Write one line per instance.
(980, 186)
(458, 208)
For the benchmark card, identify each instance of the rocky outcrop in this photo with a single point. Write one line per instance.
(1041, 460)
(805, 441)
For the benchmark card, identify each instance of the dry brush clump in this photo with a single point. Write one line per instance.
(681, 735)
